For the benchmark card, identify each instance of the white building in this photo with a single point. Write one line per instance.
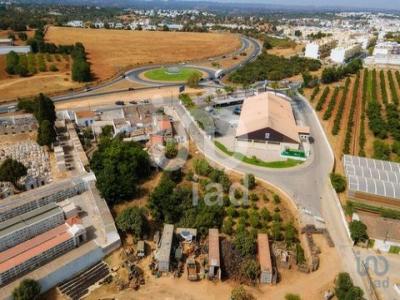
(75, 23)
(385, 53)
(312, 51)
(339, 55)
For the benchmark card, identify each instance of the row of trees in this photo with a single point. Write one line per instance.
(323, 98)
(339, 113)
(272, 67)
(374, 110)
(16, 65)
(334, 74)
(362, 137)
(350, 122)
(393, 89)
(332, 103)
(315, 93)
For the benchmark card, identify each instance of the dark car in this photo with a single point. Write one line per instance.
(119, 103)
(133, 102)
(131, 89)
(311, 140)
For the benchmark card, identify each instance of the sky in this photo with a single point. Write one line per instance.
(384, 4)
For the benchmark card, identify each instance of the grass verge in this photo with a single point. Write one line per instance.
(257, 162)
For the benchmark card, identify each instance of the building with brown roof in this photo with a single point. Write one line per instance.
(214, 264)
(268, 118)
(264, 257)
(385, 232)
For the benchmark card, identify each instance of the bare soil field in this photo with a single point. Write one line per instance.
(111, 51)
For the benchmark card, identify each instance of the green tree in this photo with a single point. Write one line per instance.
(338, 182)
(12, 170)
(267, 45)
(12, 60)
(132, 220)
(345, 289)
(119, 167)
(358, 231)
(290, 233)
(46, 134)
(45, 109)
(193, 80)
(250, 180)
(28, 289)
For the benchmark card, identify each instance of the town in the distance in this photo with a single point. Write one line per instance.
(200, 150)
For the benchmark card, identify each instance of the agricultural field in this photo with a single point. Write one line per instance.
(111, 51)
(47, 73)
(361, 114)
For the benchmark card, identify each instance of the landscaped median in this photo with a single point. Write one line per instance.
(257, 162)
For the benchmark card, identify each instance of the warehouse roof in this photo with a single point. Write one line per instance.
(372, 176)
(267, 110)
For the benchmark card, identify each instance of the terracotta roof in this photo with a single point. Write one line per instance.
(85, 114)
(213, 247)
(156, 140)
(164, 124)
(264, 253)
(267, 110)
(381, 228)
(33, 247)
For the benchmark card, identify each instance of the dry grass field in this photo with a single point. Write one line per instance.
(111, 51)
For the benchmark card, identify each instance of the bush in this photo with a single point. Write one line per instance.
(331, 105)
(292, 297)
(350, 122)
(28, 289)
(322, 99)
(250, 180)
(250, 271)
(338, 182)
(245, 243)
(315, 93)
(53, 68)
(202, 167)
(239, 293)
(339, 113)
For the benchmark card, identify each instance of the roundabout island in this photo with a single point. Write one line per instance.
(171, 74)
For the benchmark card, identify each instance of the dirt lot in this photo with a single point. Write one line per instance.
(111, 51)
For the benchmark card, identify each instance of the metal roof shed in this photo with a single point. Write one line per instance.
(213, 254)
(164, 252)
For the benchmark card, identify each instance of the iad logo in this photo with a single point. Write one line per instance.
(373, 266)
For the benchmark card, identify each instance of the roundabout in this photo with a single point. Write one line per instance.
(171, 74)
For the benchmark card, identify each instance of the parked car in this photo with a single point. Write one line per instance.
(133, 102)
(119, 103)
(131, 89)
(146, 101)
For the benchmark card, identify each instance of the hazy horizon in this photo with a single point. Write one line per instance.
(384, 4)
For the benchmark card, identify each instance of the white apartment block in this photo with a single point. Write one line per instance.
(339, 55)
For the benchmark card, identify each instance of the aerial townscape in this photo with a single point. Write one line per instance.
(199, 150)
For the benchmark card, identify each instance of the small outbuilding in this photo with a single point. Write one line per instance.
(264, 258)
(214, 265)
(163, 253)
